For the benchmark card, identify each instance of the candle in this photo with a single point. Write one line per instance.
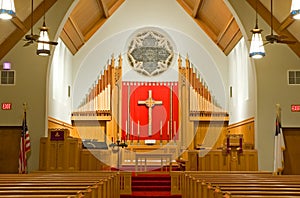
(132, 128)
(138, 128)
(126, 127)
(174, 128)
(160, 127)
(168, 129)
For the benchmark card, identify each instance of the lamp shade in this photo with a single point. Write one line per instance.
(7, 9)
(43, 42)
(257, 49)
(295, 9)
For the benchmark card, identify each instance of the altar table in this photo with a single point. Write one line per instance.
(143, 157)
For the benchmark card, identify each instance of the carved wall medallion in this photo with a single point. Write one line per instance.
(150, 52)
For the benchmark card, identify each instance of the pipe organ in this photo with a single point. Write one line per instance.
(104, 99)
(98, 100)
(202, 102)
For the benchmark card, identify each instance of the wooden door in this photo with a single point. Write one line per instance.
(292, 151)
(10, 137)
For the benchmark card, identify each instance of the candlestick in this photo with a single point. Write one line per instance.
(132, 128)
(160, 127)
(168, 129)
(138, 132)
(174, 128)
(126, 127)
(138, 128)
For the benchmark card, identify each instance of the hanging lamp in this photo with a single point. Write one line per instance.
(44, 41)
(7, 9)
(295, 9)
(43, 48)
(257, 49)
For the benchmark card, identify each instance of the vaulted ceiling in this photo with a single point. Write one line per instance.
(212, 16)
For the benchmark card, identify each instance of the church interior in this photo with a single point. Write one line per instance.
(139, 98)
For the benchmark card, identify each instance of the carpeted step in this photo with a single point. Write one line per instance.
(151, 194)
(151, 183)
(151, 188)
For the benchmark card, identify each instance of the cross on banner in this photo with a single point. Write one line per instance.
(150, 103)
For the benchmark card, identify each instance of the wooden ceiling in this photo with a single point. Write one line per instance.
(212, 16)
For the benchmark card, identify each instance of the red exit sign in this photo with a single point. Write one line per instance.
(6, 106)
(295, 108)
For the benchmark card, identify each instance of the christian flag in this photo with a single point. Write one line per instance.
(278, 148)
(135, 110)
(24, 146)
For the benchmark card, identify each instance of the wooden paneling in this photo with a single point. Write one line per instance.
(292, 151)
(57, 124)
(9, 148)
(204, 129)
(217, 160)
(245, 127)
(95, 159)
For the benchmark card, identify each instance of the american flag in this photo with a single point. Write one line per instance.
(24, 147)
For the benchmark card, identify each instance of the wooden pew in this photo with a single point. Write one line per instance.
(249, 184)
(62, 184)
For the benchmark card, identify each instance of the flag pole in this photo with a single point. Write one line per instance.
(25, 106)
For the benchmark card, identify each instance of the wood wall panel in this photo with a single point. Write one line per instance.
(246, 128)
(292, 151)
(57, 124)
(217, 160)
(9, 148)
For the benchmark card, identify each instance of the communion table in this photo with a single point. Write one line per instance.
(129, 154)
(143, 157)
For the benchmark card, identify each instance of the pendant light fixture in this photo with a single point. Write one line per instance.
(43, 48)
(44, 43)
(7, 9)
(295, 9)
(257, 49)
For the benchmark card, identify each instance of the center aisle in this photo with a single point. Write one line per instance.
(151, 185)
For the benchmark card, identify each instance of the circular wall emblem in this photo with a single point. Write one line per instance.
(150, 52)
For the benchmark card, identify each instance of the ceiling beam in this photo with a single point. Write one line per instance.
(103, 7)
(286, 23)
(115, 7)
(266, 15)
(225, 30)
(77, 30)
(185, 7)
(17, 35)
(197, 7)
(19, 24)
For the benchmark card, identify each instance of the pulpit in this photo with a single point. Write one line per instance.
(59, 151)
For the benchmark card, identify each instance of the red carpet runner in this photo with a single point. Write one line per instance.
(151, 185)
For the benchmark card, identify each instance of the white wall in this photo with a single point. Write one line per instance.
(60, 81)
(242, 82)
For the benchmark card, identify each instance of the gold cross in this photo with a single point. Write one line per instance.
(150, 103)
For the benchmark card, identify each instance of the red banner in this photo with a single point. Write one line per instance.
(135, 116)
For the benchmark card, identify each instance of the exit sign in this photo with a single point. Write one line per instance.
(295, 108)
(6, 106)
